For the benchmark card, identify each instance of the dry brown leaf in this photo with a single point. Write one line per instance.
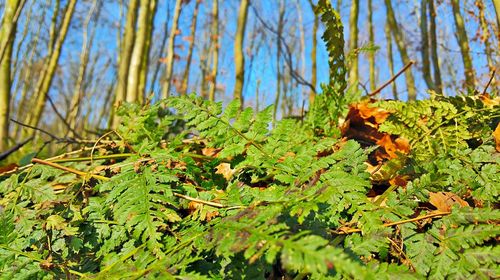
(443, 201)
(8, 168)
(496, 136)
(399, 180)
(225, 170)
(210, 152)
(488, 101)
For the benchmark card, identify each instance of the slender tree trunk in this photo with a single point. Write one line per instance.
(239, 59)
(279, 78)
(7, 35)
(28, 77)
(158, 63)
(426, 63)
(53, 26)
(401, 44)
(43, 85)
(371, 54)
(143, 75)
(126, 49)
(438, 85)
(353, 43)
(215, 48)
(390, 61)
(136, 59)
(314, 67)
(84, 59)
(302, 44)
(170, 50)
(185, 76)
(496, 6)
(485, 36)
(463, 42)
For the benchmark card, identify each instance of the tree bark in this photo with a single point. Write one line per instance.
(314, 67)
(496, 6)
(438, 85)
(401, 44)
(353, 43)
(7, 35)
(371, 54)
(127, 46)
(463, 42)
(138, 52)
(390, 61)
(84, 59)
(485, 36)
(192, 31)
(424, 46)
(170, 50)
(239, 59)
(143, 75)
(215, 48)
(279, 77)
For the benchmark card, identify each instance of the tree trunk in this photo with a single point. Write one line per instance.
(279, 77)
(353, 43)
(390, 61)
(424, 46)
(7, 35)
(438, 85)
(74, 108)
(170, 50)
(463, 42)
(371, 54)
(139, 49)
(314, 67)
(44, 82)
(185, 76)
(485, 36)
(239, 59)
(158, 63)
(401, 44)
(496, 6)
(215, 47)
(127, 46)
(143, 75)
(53, 26)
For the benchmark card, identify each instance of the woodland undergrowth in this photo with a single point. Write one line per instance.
(356, 189)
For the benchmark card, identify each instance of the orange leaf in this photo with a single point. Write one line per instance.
(443, 201)
(496, 135)
(391, 147)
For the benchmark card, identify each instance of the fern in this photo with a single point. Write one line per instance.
(334, 40)
(294, 205)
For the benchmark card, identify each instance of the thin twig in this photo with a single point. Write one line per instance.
(16, 147)
(286, 53)
(435, 214)
(214, 204)
(68, 169)
(61, 117)
(37, 129)
(379, 89)
(78, 159)
(489, 82)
